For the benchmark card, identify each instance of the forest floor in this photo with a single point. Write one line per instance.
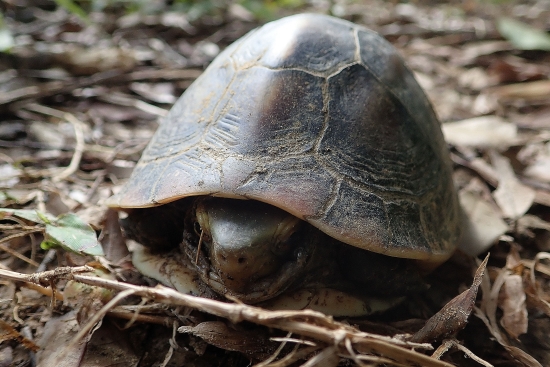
(80, 97)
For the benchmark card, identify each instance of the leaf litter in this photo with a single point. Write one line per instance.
(76, 116)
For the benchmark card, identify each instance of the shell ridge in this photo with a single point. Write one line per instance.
(357, 45)
(392, 92)
(329, 204)
(152, 196)
(223, 112)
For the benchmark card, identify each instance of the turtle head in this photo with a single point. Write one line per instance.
(245, 240)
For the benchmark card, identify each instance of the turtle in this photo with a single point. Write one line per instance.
(304, 168)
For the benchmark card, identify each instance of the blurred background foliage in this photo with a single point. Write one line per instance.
(194, 9)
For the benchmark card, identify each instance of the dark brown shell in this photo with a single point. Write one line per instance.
(319, 117)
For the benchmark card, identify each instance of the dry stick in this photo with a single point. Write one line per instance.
(277, 351)
(22, 225)
(294, 355)
(470, 354)
(19, 227)
(112, 76)
(326, 330)
(48, 292)
(79, 149)
(132, 317)
(15, 253)
(331, 332)
(352, 354)
(45, 277)
(78, 132)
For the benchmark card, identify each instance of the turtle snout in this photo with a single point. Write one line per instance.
(239, 269)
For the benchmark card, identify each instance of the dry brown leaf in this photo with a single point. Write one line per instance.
(9, 175)
(529, 91)
(156, 92)
(474, 79)
(513, 69)
(522, 357)
(483, 224)
(254, 342)
(482, 132)
(512, 303)
(7, 333)
(535, 120)
(327, 358)
(472, 51)
(532, 221)
(111, 238)
(513, 197)
(58, 332)
(88, 61)
(453, 317)
(539, 169)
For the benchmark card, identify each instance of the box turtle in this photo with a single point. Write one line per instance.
(304, 168)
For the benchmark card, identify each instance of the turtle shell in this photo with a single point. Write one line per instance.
(321, 118)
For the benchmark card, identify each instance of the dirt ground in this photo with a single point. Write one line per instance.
(82, 94)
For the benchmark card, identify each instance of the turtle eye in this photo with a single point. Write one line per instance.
(197, 228)
(201, 225)
(286, 246)
(287, 235)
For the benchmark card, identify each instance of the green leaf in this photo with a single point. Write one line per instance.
(73, 8)
(523, 36)
(28, 214)
(71, 233)
(67, 231)
(6, 38)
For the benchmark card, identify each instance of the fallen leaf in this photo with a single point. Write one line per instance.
(91, 60)
(512, 303)
(539, 169)
(523, 36)
(7, 333)
(453, 317)
(66, 230)
(159, 92)
(529, 91)
(532, 221)
(254, 342)
(483, 132)
(513, 197)
(58, 333)
(483, 224)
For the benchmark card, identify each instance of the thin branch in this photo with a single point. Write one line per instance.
(309, 323)
(78, 151)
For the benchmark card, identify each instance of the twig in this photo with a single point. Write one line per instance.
(26, 94)
(470, 354)
(15, 253)
(172, 344)
(448, 343)
(46, 277)
(313, 324)
(78, 132)
(134, 316)
(50, 255)
(294, 340)
(79, 149)
(275, 354)
(306, 322)
(442, 349)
